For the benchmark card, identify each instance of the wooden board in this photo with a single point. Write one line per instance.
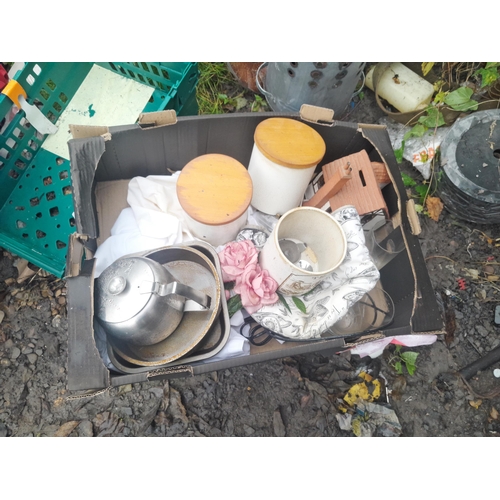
(362, 190)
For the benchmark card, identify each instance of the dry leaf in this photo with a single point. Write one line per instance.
(476, 404)
(473, 273)
(493, 277)
(434, 207)
(24, 271)
(494, 413)
(66, 429)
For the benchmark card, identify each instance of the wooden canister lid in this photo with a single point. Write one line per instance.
(214, 189)
(289, 143)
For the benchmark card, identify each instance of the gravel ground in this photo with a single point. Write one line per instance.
(298, 396)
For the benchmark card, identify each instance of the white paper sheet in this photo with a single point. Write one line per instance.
(104, 98)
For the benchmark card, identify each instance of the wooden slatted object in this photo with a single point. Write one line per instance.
(361, 190)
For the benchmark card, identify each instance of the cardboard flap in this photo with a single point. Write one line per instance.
(75, 255)
(426, 315)
(158, 118)
(316, 114)
(85, 131)
(416, 228)
(84, 156)
(85, 367)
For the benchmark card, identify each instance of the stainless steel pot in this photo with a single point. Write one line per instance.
(139, 301)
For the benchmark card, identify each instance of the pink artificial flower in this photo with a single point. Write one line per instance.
(235, 257)
(256, 288)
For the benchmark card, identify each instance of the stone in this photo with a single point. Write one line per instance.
(15, 353)
(482, 330)
(85, 429)
(157, 391)
(8, 344)
(4, 362)
(248, 430)
(32, 358)
(279, 426)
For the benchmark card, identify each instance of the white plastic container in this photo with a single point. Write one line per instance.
(402, 88)
(284, 157)
(214, 191)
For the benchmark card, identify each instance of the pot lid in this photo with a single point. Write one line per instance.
(119, 291)
(214, 189)
(289, 142)
(470, 161)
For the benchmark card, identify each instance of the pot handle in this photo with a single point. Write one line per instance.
(176, 288)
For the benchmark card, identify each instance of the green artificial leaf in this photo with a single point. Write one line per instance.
(433, 119)
(300, 305)
(419, 208)
(460, 100)
(407, 180)
(234, 305)
(417, 131)
(284, 302)
(398, 366)
(491, 65)
(398, 153)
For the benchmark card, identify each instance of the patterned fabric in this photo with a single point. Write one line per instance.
(331, 299)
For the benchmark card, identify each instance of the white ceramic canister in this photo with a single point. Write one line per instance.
(214, 191)
(318, 246)
(284, 157)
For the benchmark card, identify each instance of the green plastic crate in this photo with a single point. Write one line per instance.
(36, 202)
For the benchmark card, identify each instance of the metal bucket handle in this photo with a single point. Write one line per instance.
(257, 82)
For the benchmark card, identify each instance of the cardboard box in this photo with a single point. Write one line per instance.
(103, 160)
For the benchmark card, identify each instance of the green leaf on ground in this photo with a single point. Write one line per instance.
(433, 119)
(407, 180)
(460, 100)
(422, 190)
(417, 131)
(300, 305)
(410, 360)
(409, 357)
(398, 153)
(489, 74)
(398, 366)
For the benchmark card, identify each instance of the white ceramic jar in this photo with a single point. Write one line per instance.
(321, 247)
(284, 157)
(214, 191)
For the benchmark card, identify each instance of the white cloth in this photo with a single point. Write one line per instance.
(154, 219)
